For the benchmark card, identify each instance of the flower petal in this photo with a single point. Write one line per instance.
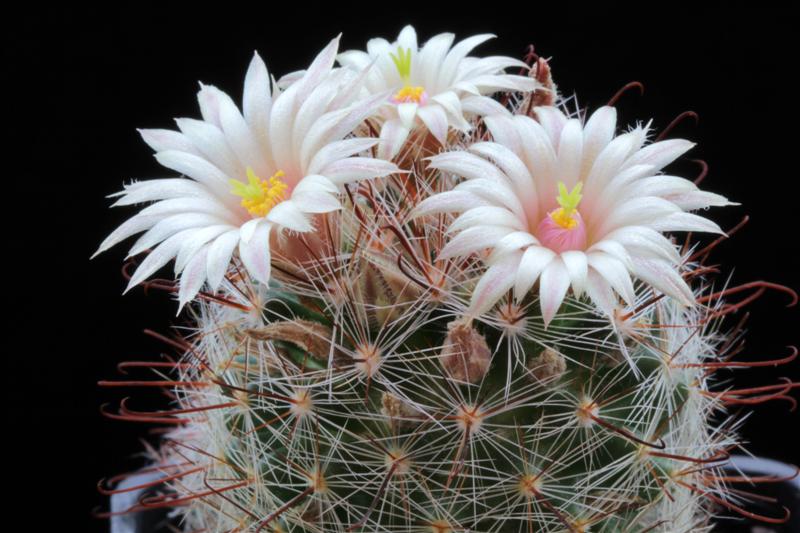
(467, 165)
(577, 266)
(288, 215)
(495, 282)
(570, 153)
(132, 226)
(166, 227)
(393, 137)
(316, 201)
(553, 287)
(637, 212)
(160, 140)
(660, 154)
(192, 278)
(614, 271)
(257, 99)
(318, 69)
(679, 221)
(601, 293)
(210, 143)
(435, 119)
(159, 257)
(457, 54)
(663, 277)
(483, 106)
(339, 150)
(448, 202)
(512, 242)
(240, 137)
(540, 157)
(432, 55)
(597, 133)
(336, 125)
(552, 120)
(407, 111)
(451, 104)
(505, 132)
(641, 238)
(254, 252)
(314, 183)
(357, 168)
(607, 165)
(219, 257)
(196, 168)
(194, 242)
(534, 261)
(473, 239)
(517, 173)
(160, 189)
(408, 38)
(481, 216)
(208, 99)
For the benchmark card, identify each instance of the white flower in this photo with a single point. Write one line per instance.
(436, 84)
(569, 204)
(248, 174)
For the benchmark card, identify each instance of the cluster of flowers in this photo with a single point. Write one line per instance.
(567, 202)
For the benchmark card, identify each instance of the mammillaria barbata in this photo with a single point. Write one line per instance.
(425, 293)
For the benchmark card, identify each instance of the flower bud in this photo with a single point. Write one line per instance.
(465, 354)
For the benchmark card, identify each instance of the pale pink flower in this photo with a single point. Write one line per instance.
(435, 86)
(248, 174)
(570, 205)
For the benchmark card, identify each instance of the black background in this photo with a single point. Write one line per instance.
(83, 79)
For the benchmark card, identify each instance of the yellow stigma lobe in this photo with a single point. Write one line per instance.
(568, 200)
(403, 63)
(260, 196)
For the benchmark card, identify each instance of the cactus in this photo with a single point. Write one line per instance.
(376, 375)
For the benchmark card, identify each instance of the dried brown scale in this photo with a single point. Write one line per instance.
(547, 367)
(546, 94)
(385, 288)
(312, 337)
(465, 354)
(398, 411)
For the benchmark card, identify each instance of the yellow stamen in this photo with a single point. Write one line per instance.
(568, 200)
(260, 196)
(409, 94)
